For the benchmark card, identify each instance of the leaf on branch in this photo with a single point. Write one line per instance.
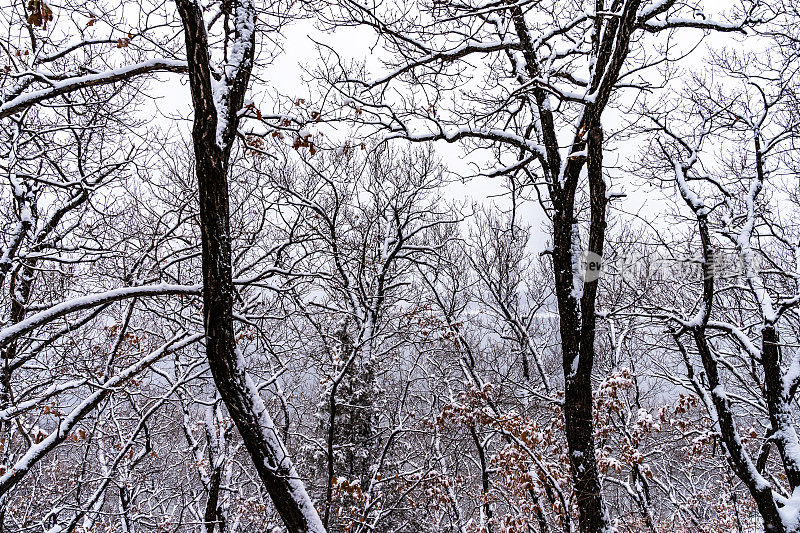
(252, 107)
(304, 141)
(39, 13)
(256, 144)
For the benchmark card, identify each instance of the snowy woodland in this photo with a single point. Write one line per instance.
(373, 266)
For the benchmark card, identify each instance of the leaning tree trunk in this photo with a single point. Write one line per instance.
(216, 106)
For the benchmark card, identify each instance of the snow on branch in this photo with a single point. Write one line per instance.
(86, 302)
(37, 451)
(76, 83)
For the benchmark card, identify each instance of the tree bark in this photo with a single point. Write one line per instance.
(212, 148)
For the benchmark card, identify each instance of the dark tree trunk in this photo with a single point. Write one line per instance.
(577, 326)
(740, 461)
(576, 308)
(212, 516)
(212, 153)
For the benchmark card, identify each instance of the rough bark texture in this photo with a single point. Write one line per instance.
(740, 461)
(212, 516)
(263, 443)
(576, 308)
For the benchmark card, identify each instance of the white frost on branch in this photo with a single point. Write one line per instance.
(86, 302)
(79, 82)
(241, 50)
(790, 512)
(67, 423)
(577, 268)
(748, 257)
(689, 196)
(270, 435)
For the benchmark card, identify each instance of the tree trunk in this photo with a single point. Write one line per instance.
(212, 153)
